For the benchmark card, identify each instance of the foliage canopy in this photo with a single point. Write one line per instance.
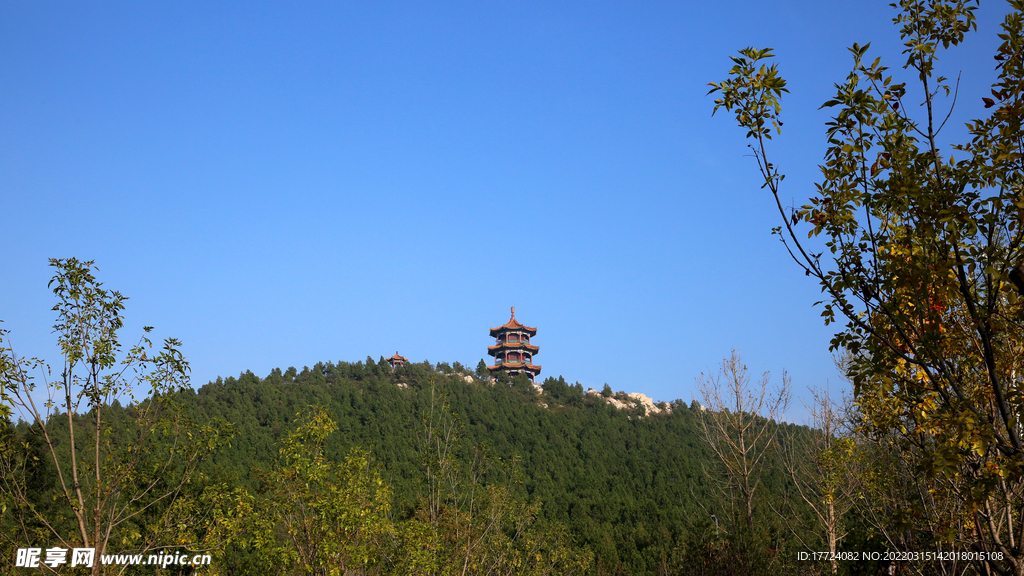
(920, 255)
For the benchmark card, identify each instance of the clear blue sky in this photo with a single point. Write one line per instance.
(278, 185)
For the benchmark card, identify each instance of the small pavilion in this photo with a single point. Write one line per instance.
(397, 361)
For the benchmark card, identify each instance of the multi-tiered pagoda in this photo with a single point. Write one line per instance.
(513, 353)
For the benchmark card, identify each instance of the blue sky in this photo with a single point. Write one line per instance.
(278, 185)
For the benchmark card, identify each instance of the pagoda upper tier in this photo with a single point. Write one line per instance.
(513, 325)
(513, 353)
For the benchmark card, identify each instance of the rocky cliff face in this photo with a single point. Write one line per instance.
(633, 401)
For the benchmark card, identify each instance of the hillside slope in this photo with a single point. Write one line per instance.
(628, 485)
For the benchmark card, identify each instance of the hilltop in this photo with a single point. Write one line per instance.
(624, 474)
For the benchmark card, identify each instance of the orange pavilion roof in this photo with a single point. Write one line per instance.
(513, 324)
(397, 358)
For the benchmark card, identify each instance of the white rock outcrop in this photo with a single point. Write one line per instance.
(635, 399)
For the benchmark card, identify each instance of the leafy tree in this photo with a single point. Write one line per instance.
(481, 370)
(217, 520)
(919, 257)
(522, 383)
(556, 388)
(110, 470)
(607, 391)
(275, 376)
(335, 516)
(894, 496)
(503, 379)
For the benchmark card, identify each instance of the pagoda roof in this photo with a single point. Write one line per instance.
(515, 366)
(513, 324)
(397, 358)
(512, 346)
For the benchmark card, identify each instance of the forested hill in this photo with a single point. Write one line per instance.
(630, 486)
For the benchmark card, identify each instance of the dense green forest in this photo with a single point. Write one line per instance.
(629, 487)
(626, 492)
